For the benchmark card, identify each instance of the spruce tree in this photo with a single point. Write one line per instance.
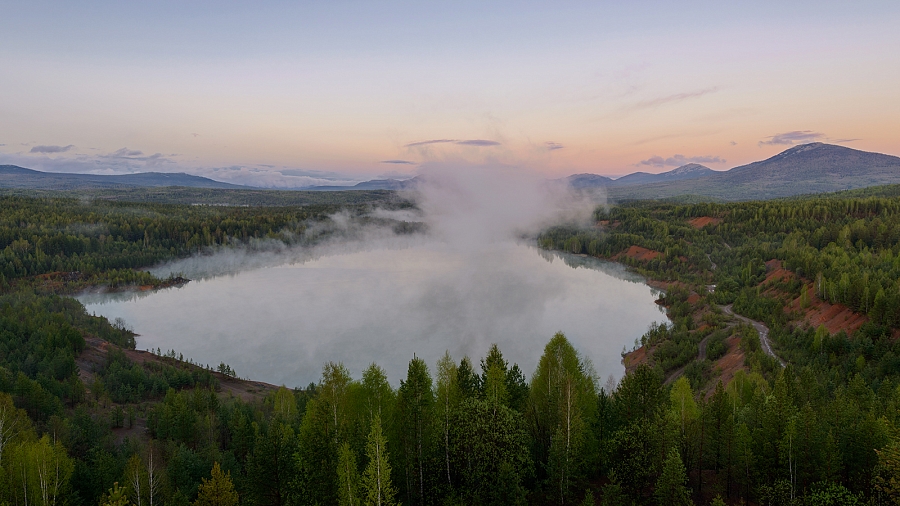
(415, 402)
(670, 487)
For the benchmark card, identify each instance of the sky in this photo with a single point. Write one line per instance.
(291, 94)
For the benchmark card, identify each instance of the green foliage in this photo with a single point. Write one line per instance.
(116, 497)
(670, 487)
(588, 498)
(562, 401)
(490, 455)
(218, 490)
(845, 244)
(127, 382)
(415, 401)
(376, 481)
(821, 431)
(348, 477)
(38, 470)
(62, 244)
(831, 494)
(715, 346)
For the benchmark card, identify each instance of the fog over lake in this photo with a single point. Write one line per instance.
(281, 324)
(276, 313)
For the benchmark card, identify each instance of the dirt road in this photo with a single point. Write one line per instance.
(761, 329)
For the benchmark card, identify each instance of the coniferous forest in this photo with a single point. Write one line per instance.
(815, 422)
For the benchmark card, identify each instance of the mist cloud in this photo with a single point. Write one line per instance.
(679, 160)
(553, 146)
(398, 162)
(473, 205)
(51, 149)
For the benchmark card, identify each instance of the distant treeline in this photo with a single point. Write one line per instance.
(88, 243)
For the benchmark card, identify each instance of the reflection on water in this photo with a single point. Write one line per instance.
(281, 324)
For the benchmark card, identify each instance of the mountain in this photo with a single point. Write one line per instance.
(817, 160)
(803, 169)
(689, 171)
(580, 181)
(12, 176)
(375, 184)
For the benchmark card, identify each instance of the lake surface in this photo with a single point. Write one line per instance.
(281, 323)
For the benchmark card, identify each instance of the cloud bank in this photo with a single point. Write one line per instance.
(51, 149)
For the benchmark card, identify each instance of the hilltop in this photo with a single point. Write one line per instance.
(805, 169)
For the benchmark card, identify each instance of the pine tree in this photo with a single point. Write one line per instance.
(377, 478)
(670, 487)
(218, 490)
(348, 477)
(272, 464)
(116, 496)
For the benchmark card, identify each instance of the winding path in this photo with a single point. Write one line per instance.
(761, 329)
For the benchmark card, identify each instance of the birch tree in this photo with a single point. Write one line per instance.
(348, 477)
(447, 398)
(377, 485)
(562, 400)
(12, 421)
(378, 394)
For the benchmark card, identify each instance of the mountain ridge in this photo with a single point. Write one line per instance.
(803, 169)
(688, 171)
(13, 176)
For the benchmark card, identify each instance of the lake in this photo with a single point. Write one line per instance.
(281, 322)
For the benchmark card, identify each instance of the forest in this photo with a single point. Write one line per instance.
(822, 430)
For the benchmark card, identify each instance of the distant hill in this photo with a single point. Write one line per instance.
(689, 171)
(805, 169)
(587, 181)
(809, 162)
(375, 184)
(12, 176)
